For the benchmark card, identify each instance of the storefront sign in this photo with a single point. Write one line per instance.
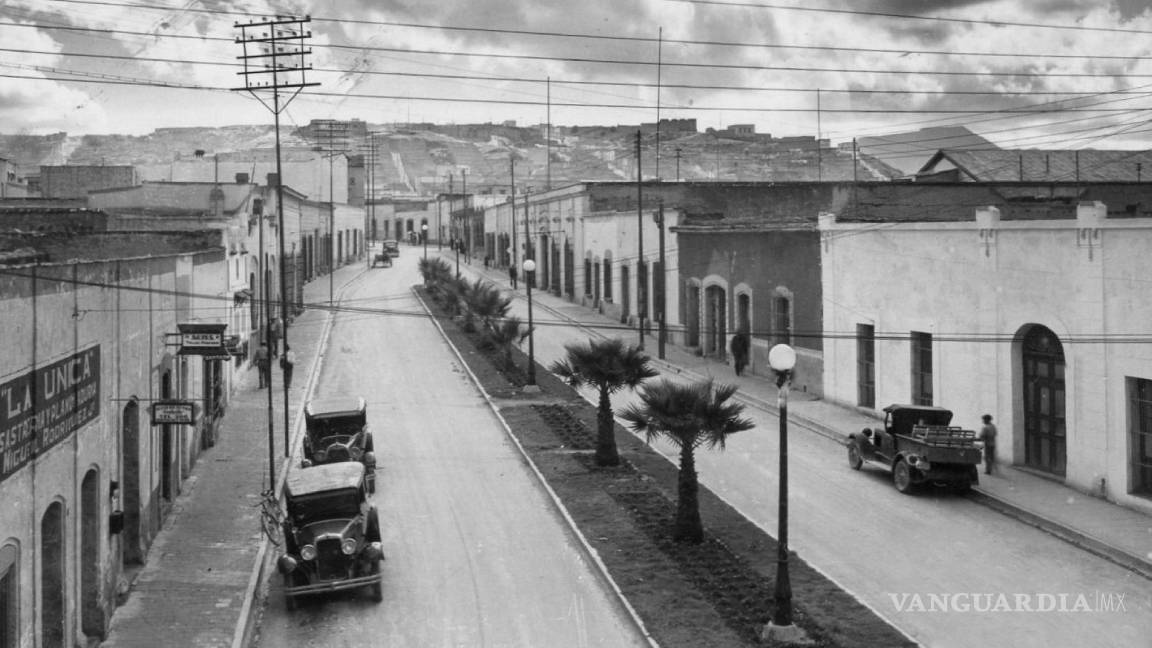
(43, 407)
(202, 339)
(173, 412)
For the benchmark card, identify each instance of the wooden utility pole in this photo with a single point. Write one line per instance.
(641, 280)
(275, 47)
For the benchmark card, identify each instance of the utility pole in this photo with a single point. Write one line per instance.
(467, 216)
(279, 48)
(663, 276)
(512, 184)
(659, 63)
(641, 280)
(548, 140)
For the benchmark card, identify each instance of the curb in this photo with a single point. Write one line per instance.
(601, 568)
(243, 633)
(1098, 548)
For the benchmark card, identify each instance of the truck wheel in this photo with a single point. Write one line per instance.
(902, 476)
(854, 458)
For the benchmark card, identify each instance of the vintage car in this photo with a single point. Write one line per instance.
(331, 533)
(919, 446)
(336, 429)
(391, 248)
(383, 259)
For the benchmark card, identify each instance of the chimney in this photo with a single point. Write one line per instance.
(241, 178)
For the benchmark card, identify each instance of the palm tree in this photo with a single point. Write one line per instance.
(507, 332)
(689, 416)
(485, 301)
(609, 366)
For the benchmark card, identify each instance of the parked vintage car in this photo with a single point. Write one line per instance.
(919, 446)
(391, 248)
(336, 429)
(383, 259)
(331, 533)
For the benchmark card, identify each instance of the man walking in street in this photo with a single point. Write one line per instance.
(988, 436)
(741, 343)
(261, 360)
(276, 331)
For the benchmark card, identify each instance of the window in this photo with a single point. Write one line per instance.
(782, 319)
(865, 365)
(608, 278)
(1140, 430)
(921, 368)
(9, 598)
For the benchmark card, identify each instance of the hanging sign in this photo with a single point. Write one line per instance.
(173, 412)
(202, 339)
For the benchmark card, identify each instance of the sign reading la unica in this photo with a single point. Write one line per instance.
(202, 340)
(45, 406)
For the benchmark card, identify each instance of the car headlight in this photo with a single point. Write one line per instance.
(321, 455)
(308, 552)
(286, 564)
(348, 546)
(374, 550)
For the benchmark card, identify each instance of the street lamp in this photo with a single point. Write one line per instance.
(529, 278)
(424, 235)
(782, 359)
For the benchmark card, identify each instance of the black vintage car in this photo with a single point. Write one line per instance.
(331, 533)
(336, 429)
(919, 446)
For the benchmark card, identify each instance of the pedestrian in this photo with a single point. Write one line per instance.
(740, 347)
(988, 436)
(512, 274)
(275, 332)
(288, 363)
(262, 368)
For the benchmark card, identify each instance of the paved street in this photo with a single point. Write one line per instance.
(886, 547)
(476, 554)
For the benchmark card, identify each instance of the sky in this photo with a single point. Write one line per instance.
(1057, 74)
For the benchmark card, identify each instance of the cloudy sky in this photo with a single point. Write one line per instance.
(1024, 73)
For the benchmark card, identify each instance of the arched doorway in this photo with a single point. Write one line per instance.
(91, 614)
(555, 256)
(130, 478)
(167, 451)
(625, 293)
(52, 630)
(569, 271)
(744, 312)
(692, 315)
(1042, 363)
(715, 331)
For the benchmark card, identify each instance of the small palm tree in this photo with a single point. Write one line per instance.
(609, 366)
(485, 301)
(506, 333)
(689, 416)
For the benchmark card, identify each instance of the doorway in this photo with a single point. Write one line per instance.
(715, 329)
(52, 630)
(91, 614)
(1045, 443)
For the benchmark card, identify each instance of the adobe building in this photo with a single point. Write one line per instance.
(85, 477)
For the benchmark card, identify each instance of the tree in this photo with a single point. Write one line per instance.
(609, 366)
(485, 301)
(689, 416)
(508, 332)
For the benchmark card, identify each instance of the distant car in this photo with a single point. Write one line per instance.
(919, 446)
(331, 533)
(383, 259)
(391, 248)
(336, 429)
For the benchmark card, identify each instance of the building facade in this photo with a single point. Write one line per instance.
(1032, 310)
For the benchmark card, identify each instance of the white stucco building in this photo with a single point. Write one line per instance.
(1036, 311)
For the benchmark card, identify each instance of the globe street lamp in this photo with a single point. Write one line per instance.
(529, 279)
(424, 235)
(782, 359)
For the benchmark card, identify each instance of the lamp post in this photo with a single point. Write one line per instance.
(424, 235)
(782, 359)
(529, 279)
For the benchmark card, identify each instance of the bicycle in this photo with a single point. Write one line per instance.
(271, 516)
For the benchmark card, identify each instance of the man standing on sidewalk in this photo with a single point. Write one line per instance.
(988, 436)
(288, 363)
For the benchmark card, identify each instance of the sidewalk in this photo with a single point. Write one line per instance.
(1113, 532)
(196, 586)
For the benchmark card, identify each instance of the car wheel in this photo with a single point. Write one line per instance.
(289, 599)
(902, 476)
(854, 458)
(377, 587)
